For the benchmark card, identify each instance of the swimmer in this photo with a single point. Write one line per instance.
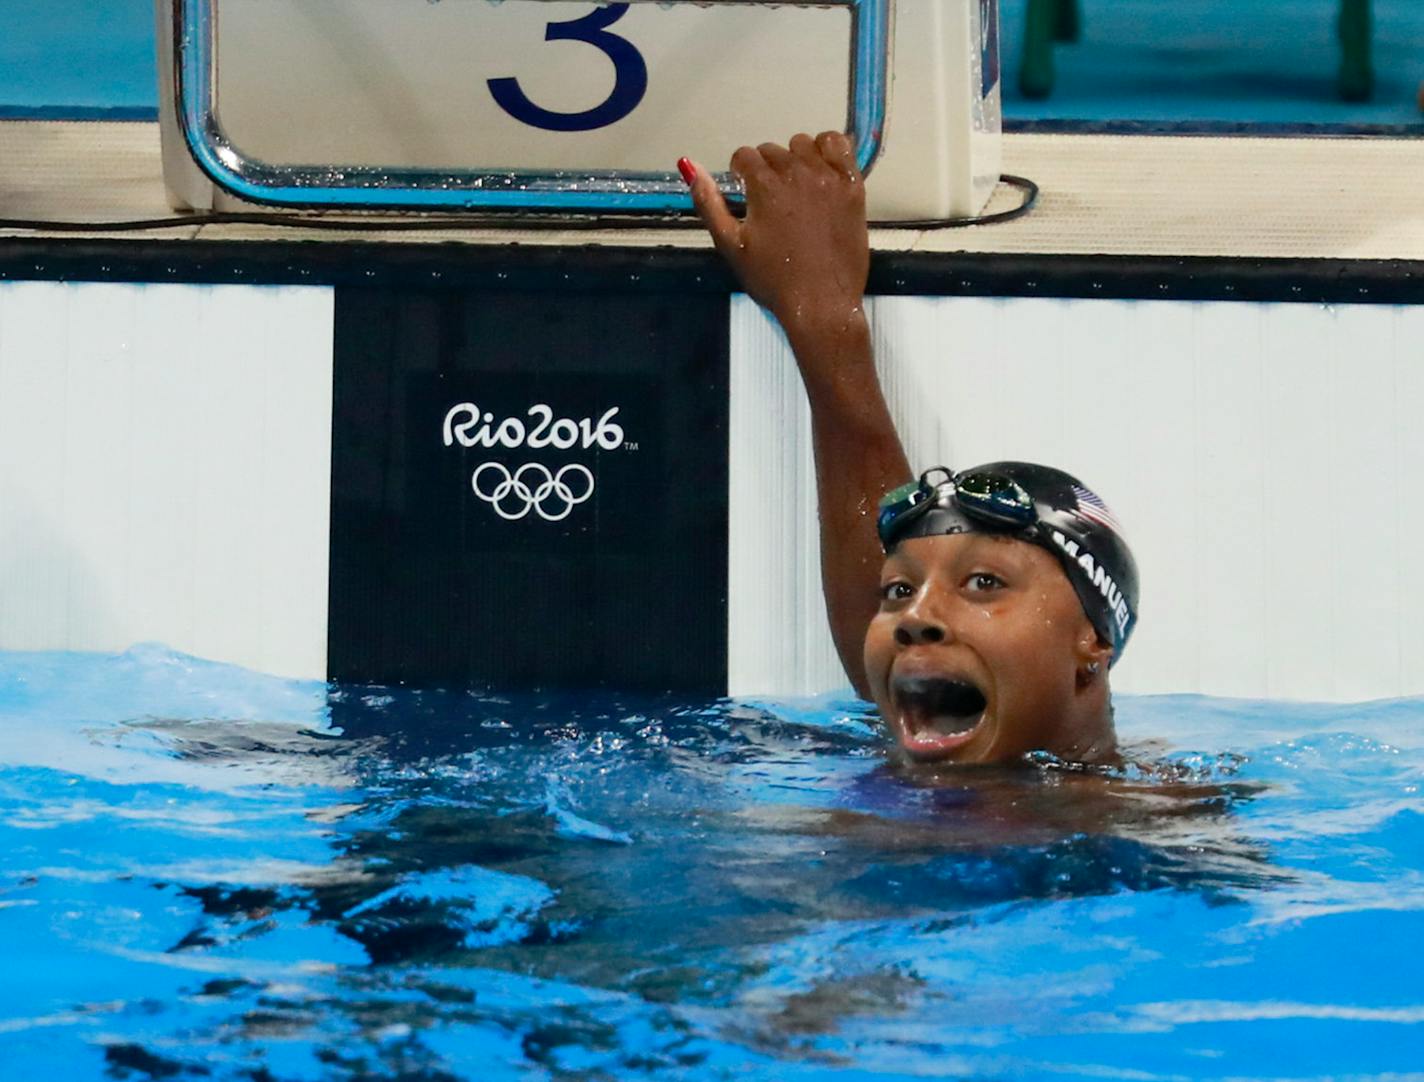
(980, 610)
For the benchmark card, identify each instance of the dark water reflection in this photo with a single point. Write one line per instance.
(670, 838)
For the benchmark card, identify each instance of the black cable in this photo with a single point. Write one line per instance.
(1023, 184)
(480, 220)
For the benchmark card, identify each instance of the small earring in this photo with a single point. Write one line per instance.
(1092, 668)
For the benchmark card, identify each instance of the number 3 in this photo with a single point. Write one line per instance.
(629, 86)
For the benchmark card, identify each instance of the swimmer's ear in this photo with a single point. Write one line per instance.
(711, 207)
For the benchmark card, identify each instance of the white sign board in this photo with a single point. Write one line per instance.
(551, 86)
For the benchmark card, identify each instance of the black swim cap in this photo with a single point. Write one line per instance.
(1033, 503)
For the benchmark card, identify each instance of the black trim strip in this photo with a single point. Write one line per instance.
(596, 269)
(581, 269)
(1196, 278)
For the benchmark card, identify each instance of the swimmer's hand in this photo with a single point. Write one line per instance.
(803, 250)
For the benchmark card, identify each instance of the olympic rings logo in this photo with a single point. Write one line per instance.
(513, 497)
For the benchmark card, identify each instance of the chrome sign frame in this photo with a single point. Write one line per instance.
(315, 186)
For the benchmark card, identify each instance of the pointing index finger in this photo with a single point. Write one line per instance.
(711, 207)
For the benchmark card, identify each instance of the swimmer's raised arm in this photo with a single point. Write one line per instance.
(803, 253)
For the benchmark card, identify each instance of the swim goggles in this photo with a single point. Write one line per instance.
(992, 499)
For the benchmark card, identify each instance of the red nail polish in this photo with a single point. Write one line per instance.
(688, 171)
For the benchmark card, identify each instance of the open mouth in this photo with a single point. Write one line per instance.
(937, 714)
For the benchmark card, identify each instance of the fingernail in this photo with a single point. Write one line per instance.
(688, 170)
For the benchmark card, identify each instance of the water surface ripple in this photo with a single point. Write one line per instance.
(211, 874)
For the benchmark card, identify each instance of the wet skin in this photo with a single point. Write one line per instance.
(980, 652)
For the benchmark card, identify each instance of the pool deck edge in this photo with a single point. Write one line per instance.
(1267, 198)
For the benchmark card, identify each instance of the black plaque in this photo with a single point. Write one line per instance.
(529, 489)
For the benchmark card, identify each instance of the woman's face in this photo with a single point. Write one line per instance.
(981, 652)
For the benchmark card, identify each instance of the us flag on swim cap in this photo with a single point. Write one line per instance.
(1092, 508)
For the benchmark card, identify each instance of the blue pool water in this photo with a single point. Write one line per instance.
(206, 873)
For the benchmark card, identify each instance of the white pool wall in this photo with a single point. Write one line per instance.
(166, 470)
(165, 457)
(1266, 460)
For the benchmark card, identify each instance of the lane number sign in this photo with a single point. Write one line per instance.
(629, 85)
(537, 85)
